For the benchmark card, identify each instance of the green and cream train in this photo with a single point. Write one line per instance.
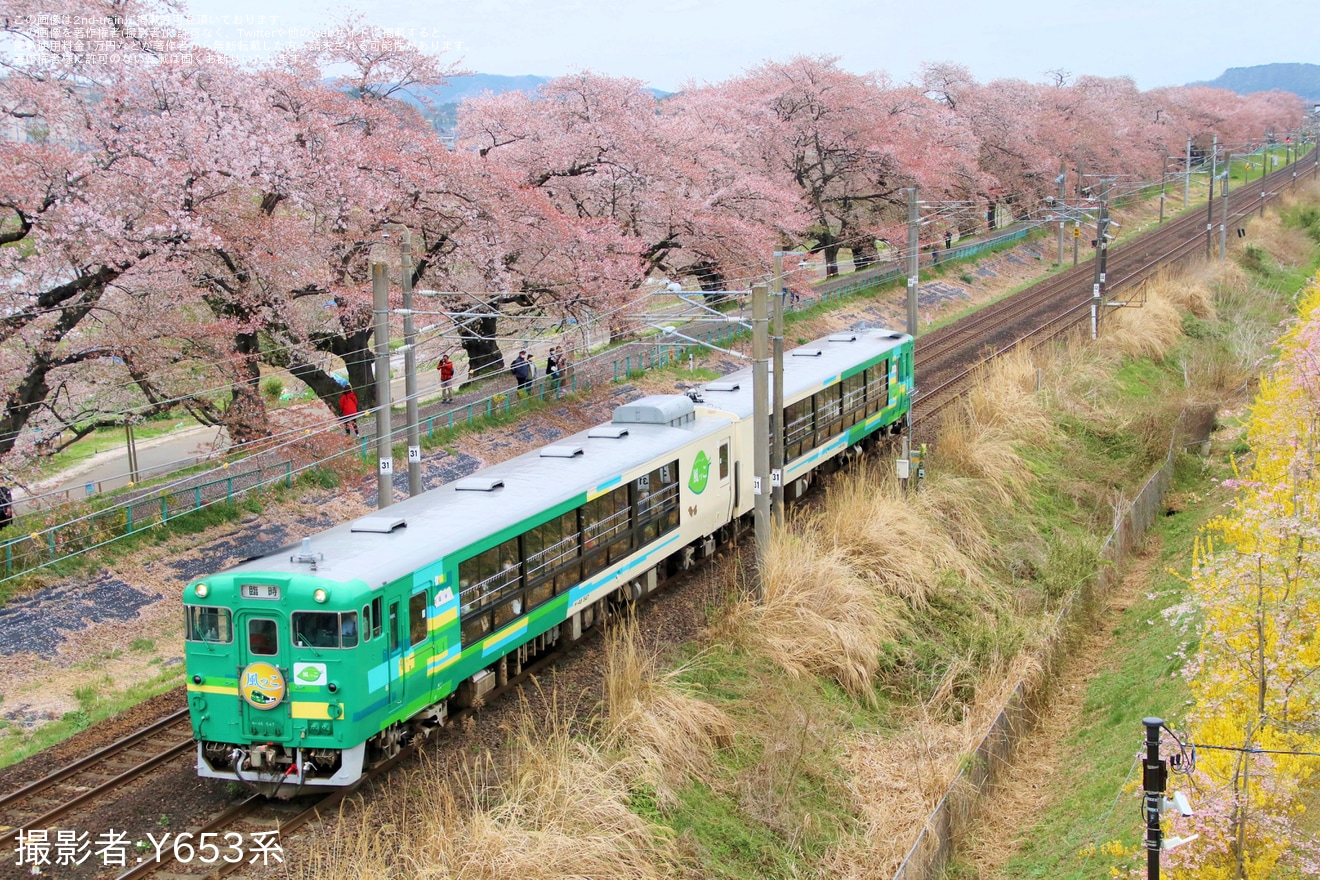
(311, 663)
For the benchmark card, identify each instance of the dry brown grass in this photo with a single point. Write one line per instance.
(667, 734)
(554, 807)
(978, 438)
(1151, 330)
(818, 614)
(903, 545)
(1288, 246)
(1187, 289)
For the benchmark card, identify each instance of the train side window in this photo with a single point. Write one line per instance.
(348, 629)
(377, 618)
(394, 627)
(203, 623)
(263, 637)
(366, 623)
(724, 461)
(417, 618)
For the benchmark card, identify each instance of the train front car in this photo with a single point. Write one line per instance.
(314, 663)
(270, 657)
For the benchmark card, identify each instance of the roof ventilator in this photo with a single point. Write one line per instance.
(723, 386)
(608, 432)
(561, 452)
(843, 337)
(380, 525)
(479, 484)
(807, 352)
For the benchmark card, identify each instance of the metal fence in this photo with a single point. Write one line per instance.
(49, 543)
(954, 814)
(644, 356)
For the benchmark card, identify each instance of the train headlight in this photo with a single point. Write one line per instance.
(201, 590)
(320, 595)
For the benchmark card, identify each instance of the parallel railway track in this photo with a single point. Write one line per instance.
(1057, 305)
(945, 360)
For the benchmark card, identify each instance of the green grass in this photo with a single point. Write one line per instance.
(1141, 678)
(104, 439)
(95, 705)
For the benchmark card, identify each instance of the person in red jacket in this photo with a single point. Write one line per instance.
(446, 368)
(348, 409)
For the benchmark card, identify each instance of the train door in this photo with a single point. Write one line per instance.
(415, 677)
(725, 473)
(396, 656)
(263, 683)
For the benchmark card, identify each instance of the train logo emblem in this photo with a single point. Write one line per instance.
(309, 673)
(700, 473)
(262, 685)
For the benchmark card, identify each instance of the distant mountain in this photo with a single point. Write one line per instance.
(1300, 79)
(460, 87)
(443, 101)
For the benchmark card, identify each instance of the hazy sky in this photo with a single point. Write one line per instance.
(668, 42)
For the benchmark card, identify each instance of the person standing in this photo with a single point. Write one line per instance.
(522, 372)
(6, 506)
(348, 410)
(552, 369)
(948, 239)
(446, 368)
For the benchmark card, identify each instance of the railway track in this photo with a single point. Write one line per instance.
(946, 358)
(105, 771)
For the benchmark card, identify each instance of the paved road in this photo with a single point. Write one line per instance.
(108, 470)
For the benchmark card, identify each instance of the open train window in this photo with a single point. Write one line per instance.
(203, 623)
(263, 637)
(724, 461)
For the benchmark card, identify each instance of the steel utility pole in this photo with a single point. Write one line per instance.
(1154, 779)
(1210, 205)
(761, 427)
(1101, 226)
(410, 368)
(1264, 171)
(380, 303)
(777, 403)
(914, 265)
(1164, 179)
(1187, 175)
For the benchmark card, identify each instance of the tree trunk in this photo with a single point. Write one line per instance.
(831, 260)
(245, 418)
(483, 350)
(864, 253)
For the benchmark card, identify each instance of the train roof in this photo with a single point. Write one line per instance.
(806, 368)
(441, 521)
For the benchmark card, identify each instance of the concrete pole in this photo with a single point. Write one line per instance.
(410, 368)
(914, 264)
(1063, 181)
(1210, 205)
(380, 301)
(1101, 226)
(1223, 212)
(777, 403)
(761, 424)
(1187, 175)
